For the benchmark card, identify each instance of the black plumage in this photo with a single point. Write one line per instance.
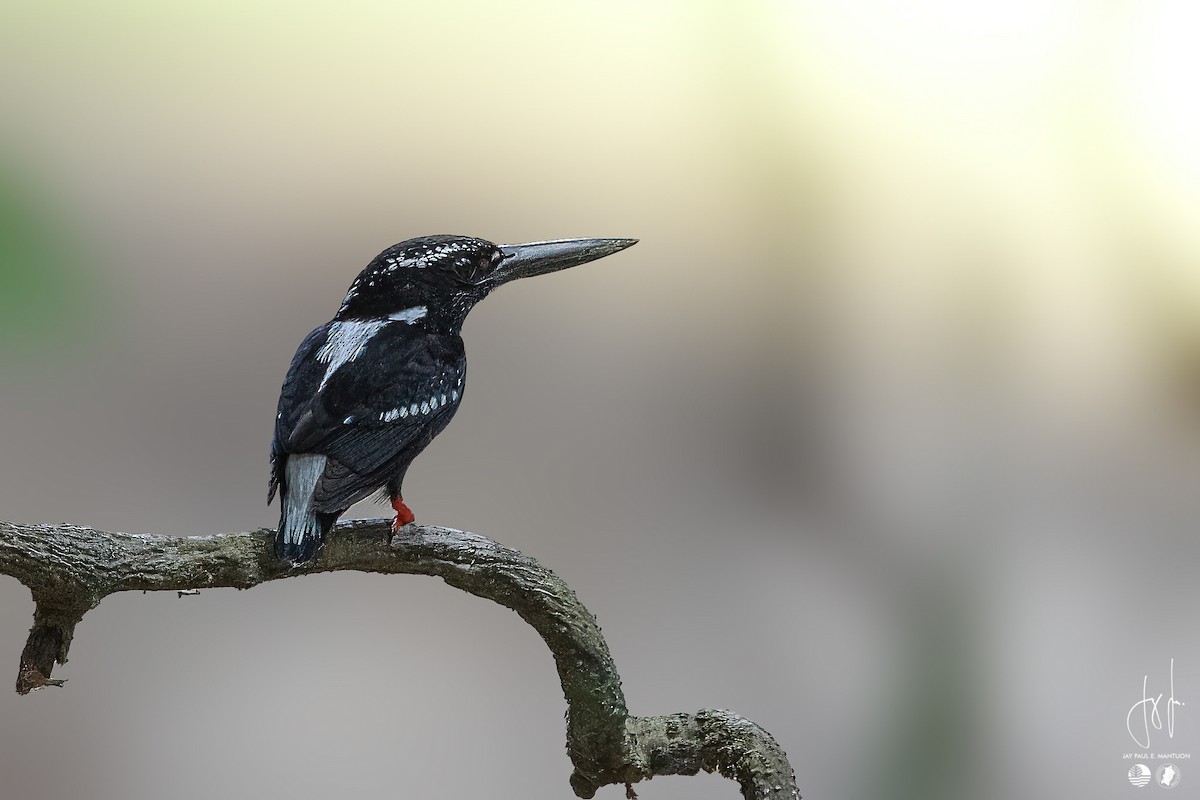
(368, 390)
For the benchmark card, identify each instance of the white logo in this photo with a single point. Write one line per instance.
(1166, 776)
(1139, 775)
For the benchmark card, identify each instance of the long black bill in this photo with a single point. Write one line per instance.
(538, 258)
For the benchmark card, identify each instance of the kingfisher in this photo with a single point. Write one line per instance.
(367, 391)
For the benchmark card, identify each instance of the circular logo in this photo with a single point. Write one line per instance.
(1166, 776)
(1139, 775)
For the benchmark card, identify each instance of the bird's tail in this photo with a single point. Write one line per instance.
(300, 527)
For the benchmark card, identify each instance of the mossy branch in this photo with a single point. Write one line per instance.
(71, 569)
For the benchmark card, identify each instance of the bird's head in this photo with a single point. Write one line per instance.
(447, 275)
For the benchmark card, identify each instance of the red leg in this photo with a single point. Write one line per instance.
(404, 514)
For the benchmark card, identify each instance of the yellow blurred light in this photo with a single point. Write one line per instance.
(1164, 65)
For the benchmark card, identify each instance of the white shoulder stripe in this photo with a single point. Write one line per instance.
(346, 342)
(409, 315)
(348, 338)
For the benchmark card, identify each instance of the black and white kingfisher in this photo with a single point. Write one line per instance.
(368, 390)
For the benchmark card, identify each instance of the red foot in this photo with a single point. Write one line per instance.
(404, 514)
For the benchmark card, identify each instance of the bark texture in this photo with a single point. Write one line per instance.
(71, 569)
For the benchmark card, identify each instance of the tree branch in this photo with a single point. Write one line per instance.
(71, 569)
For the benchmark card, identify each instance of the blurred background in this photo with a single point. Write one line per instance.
(884, 436)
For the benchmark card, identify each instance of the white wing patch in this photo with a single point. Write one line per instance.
(346, 342)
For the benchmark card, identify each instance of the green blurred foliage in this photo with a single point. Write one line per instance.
(928, 741)
(43, 285)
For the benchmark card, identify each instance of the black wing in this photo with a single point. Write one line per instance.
(299, 387)
(372, 414)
